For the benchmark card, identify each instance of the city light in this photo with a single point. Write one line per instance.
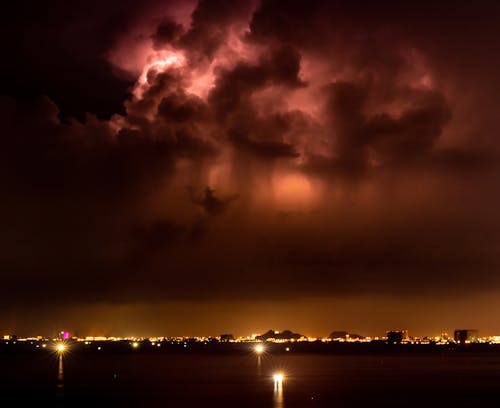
(259, 349)
(278, 378)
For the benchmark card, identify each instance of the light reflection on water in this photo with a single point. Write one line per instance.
(278, 391)
(60, 372)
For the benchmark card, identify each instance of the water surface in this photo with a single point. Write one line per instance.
(196, 380)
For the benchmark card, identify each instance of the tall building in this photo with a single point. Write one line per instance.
(226, 337)
(463, 336)
(397, 336)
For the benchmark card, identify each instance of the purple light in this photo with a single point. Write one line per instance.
(65, 335)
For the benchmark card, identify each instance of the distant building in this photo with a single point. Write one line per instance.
(344, 336)
(285, 335)
(397, 336)
(226, 337)
(339, 335)
(463, 336)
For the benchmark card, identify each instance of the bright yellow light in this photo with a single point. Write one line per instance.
(278, 377)
(135, 344)
(60, 348)
(259, 349)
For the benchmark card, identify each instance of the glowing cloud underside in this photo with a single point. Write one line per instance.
(253, 101)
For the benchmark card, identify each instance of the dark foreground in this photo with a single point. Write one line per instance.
(246, 380)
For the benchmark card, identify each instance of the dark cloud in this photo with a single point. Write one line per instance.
(360, 139)
(234, 87)
(166, 32)
(212, 204)
(211, 23)
(58, 49)
(263, 149)
(181, 108)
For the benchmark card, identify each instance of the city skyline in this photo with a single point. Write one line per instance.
(197, 330)
(392, 336)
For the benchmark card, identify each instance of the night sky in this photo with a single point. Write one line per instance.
(193, 168)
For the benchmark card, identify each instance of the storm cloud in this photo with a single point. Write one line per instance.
(328, 149)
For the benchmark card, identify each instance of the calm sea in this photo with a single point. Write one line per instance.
(191, 380)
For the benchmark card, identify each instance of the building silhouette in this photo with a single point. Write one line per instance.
(397, 336)
(463, 336)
